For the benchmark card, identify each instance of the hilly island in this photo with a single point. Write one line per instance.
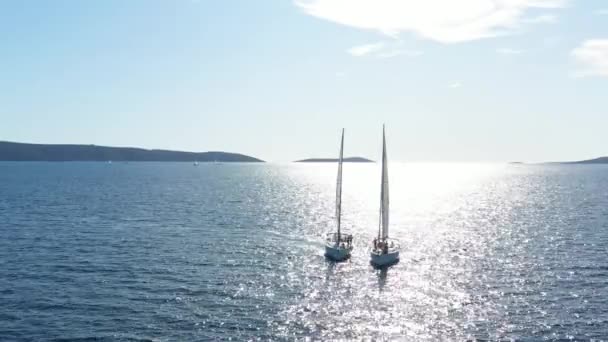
(12, 151)
(600, 160)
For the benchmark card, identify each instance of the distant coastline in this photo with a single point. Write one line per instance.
(600, 160)
(335, 160)
(12, 151)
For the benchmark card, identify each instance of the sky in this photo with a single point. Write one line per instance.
(469, 80)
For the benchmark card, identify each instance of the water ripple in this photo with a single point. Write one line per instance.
(162, 252)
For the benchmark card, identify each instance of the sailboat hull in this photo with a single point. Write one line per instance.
(337, 253)
(379, 259)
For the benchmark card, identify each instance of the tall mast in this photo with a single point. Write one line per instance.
(384, 201)
(339, 187)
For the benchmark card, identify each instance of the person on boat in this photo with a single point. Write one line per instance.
(375, 243)
(385, 248)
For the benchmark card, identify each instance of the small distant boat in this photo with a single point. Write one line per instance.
(385, 251)
(339, 245)
(195, 163)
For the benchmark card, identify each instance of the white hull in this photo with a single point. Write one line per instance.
(380, 259)
(337, 253)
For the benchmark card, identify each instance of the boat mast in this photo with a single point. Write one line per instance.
(339, 187)
(383, 224)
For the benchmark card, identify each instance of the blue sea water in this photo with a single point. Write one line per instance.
(176, 252)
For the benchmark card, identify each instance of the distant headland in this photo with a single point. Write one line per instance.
(600, 160)
(12, 151)
(335, 160)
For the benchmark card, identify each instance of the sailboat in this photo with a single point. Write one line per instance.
(385, 251)
(338, 245)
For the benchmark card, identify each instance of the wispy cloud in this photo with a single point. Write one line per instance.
(592, 55)
(541, 19)
(509, 51)
(382, 50)
(456, 84)
(398, 52)
(603, 11)
(362, 50)
(438, 20)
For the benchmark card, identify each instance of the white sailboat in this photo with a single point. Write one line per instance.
(385, 251)
(338, 245)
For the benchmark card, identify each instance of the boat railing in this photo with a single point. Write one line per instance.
(392, 244)
(334, 236)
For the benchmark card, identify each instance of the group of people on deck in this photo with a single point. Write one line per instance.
(382, 245)
(345, 241)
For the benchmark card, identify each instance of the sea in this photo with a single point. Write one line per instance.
(229, 251)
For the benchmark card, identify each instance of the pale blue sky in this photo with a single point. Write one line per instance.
(486, 80)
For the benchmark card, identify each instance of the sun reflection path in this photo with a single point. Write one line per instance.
(447, 217)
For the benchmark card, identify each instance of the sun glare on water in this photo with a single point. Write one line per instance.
(436, 211)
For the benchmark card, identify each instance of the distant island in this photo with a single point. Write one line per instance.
(12, 151)
(335, 160)
(600, 160)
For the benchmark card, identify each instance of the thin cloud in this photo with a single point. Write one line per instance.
(542, 19)
(592, 56)
(509, 51)
(603, 11)
(362, 50)
(382, 50)
(395, 53)
(437, 20)
(454, 85)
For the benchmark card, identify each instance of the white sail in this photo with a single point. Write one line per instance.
(384, 203)
(339, 187)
